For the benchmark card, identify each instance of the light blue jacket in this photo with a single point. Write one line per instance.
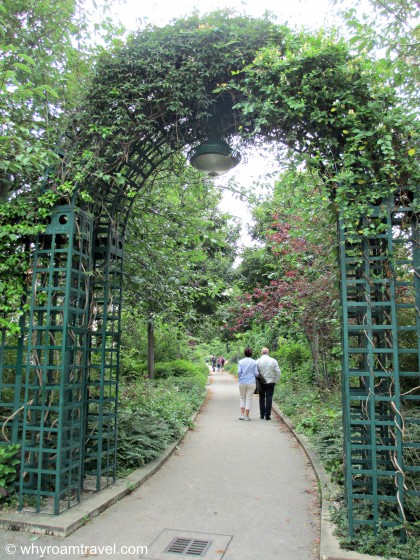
(247, 371)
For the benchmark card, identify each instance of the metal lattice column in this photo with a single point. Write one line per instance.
(380, 326)
(53, 417)
(101, 427)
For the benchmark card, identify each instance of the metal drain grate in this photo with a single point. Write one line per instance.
(188, 547)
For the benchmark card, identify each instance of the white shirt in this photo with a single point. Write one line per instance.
(269, 368)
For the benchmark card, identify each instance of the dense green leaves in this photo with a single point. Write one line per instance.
(155, 413)
(178, 243)
(179, 250)
(9, 461)
(35, 76)
(35, 42)
(334, 112)
(337, 114)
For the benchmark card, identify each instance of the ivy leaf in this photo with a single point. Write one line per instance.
(23, 67)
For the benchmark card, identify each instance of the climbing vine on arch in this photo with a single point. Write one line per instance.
(257, 81)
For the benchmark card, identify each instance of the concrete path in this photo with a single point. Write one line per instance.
(244, 490)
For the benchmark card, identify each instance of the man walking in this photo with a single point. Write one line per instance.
(213, 362)
(269, 371)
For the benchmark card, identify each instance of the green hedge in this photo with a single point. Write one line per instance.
(134, 368)
(180, 368)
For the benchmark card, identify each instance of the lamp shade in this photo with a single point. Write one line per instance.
(214, 157)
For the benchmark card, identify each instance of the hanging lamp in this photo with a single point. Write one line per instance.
(214, 157)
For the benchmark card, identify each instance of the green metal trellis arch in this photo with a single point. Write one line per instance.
(59, 379)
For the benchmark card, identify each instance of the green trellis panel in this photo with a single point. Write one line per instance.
(55, 386)
(380, 364)
(102, 400)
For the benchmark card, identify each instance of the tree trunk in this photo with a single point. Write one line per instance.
(315, 350)
(312, 337)
(325, 369)
(150, 348)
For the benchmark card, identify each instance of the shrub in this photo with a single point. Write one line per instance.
(180, 368)
(132, 364)
(141, 438)
(190, 388)
(9, 459)
(318, 414)
(153, 413)
(295, 360)
(171, 341)
(133, 367)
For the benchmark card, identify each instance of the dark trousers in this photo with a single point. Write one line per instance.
(266, 398)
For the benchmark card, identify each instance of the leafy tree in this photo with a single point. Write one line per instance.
(178, 246)
(299, 291)
(44, 61)
(35, 47)
(46, 55)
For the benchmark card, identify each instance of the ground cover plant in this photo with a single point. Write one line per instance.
(155, 412)
(9, 461)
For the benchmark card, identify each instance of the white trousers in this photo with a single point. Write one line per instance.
(246, 393)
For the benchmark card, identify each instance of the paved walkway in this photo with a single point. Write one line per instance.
(243, 489)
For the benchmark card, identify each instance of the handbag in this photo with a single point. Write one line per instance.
(257, 386)
(261, 378)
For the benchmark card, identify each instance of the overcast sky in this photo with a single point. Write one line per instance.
(309, 13)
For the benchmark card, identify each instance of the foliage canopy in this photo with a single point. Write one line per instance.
(251, 79)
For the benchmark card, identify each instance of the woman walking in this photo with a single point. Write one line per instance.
(247, 372)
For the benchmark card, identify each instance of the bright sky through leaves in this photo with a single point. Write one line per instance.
(310, 13)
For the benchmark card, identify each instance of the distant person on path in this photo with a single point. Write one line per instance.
(269, 375)
(247, 372)
(213, 362)
(222, 363)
